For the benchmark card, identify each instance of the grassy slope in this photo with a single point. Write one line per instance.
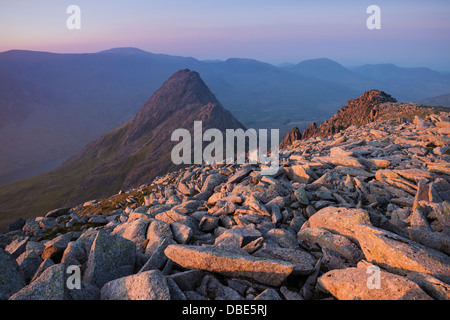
(45, 192)
(42, 193)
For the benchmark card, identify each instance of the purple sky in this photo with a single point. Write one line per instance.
(413, 33)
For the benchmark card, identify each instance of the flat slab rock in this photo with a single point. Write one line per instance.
(336, 242)
(303, 261)
(401, 255)
(230, 262)
(149, 285)
(341, 220)
(356, 284)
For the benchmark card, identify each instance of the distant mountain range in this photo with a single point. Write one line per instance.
(422, 82)
(51, 105)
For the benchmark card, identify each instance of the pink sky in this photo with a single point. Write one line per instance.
(414, 33)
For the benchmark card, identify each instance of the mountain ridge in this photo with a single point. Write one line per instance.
(372, 105)
(89, 94)
(78, 97)
(372, 199)
(131, 154)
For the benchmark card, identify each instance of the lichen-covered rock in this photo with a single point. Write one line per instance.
(29, 262)
(135, 231)
(175, 216)
(111, 257)
(303, 261)
(230, 262)
(355, 284)
(299, 173)
(11, 279)
(268, 294)
(301, 196)
(149, 285)
(57, 212)
(213, 181)
(238, 236)
(54, 249)
(77, 252)
(332, 241)
(212, 288)
(434, 287)
(50, 285)
(240, 174)
(340, 220)
(157, 232)
(44, 265)
(282, 237)
(401, 255)
(181, 232)
(17, 247)
(158, 258)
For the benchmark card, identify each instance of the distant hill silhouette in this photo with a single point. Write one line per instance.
(442, 100)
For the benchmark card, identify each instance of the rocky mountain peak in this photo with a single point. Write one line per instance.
(310, 131)
(370, 98)
(292, 136)
(140, 149)
(361, 110)
(184, 88)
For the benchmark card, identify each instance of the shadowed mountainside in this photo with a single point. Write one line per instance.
(127, 156)
(52, 105)
(78, 97)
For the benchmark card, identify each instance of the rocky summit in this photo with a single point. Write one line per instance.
(362, 212)
(370, 106)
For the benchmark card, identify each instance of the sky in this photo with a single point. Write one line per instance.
(413, 33)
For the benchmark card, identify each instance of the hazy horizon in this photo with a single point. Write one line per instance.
(278, 64)
(412, 34)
